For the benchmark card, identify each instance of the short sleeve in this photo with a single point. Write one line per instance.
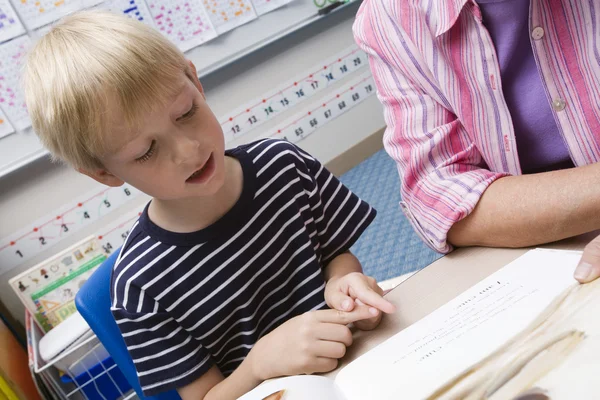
(340, 216)
(165, 355)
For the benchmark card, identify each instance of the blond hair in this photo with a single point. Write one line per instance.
(87, 60)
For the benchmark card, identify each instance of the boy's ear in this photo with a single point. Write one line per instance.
(194, 76)
(103, 176)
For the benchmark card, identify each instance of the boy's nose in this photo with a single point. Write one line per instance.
(186, 149)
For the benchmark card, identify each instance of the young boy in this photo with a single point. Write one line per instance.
(225, 279)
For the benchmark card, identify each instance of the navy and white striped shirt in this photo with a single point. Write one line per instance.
(187, 301)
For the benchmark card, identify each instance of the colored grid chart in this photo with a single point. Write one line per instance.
(244, 119)
(185, 22)
(135, 9)
(12, 99)
(226, 15)
(10, 26)
(264, 6)
(37, 13)
(5, 127)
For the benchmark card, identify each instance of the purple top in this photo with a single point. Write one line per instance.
(540, 144)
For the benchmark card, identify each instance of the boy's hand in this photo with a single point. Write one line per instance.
(309, 343)
(346, 292)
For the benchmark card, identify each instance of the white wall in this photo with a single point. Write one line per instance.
(37, 190)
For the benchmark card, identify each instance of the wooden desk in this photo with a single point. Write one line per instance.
(439, 283)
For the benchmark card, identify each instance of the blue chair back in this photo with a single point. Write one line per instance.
(93, 303)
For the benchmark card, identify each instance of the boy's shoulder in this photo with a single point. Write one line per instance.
(141, 261)
(266, 151)
(131, 260)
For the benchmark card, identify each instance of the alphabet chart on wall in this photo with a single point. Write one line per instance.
(12, 99)
(38, 236)
(5, 127)
(37, 13)
(183, 21)
(10, 25)
(226, 15)
(264, 6)
(251, 115)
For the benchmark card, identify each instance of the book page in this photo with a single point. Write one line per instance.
(295, 388)
(576, 375)
(427, 355)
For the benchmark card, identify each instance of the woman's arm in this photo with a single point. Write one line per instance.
(527, 210)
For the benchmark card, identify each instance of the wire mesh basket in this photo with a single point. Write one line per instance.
(83, 371)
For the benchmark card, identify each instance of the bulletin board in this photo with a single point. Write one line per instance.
(212, 33)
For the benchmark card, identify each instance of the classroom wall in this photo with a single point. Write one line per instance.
(42, 187)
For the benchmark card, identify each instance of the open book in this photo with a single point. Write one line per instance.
(529, 327)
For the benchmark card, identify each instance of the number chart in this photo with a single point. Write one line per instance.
(114, 235)
(226, 15)
(37, 13)
(183, 21)
(256, 112)
(12, 99)
(264, 6)
(303, 124)
(5, 126)
(10, 25)
(69, 219)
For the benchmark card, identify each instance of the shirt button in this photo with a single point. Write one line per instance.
(537, 33)
(558, 104)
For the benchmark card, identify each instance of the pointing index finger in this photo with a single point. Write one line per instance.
(343, 317)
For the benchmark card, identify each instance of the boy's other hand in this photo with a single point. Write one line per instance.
(346, 292)
(309, 343)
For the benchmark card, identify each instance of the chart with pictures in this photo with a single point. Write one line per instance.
(10, 25)
(12, 99)
(226, 15)
(264, 6)
(185, 22)
(48, 289)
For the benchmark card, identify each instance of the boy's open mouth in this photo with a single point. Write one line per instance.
(202, 175)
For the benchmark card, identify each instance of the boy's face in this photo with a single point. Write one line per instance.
(177, 151)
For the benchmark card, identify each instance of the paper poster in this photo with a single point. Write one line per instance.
(10, 26)
(183, 21)
(135, 9)
(265, 6)
(226, 15)
(48, 290)
(5, 126)
(37, 13)
(12, 99)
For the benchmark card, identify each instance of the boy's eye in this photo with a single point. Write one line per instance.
(189, 114)
(148, 153)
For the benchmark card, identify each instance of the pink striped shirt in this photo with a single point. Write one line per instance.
(448, 126)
